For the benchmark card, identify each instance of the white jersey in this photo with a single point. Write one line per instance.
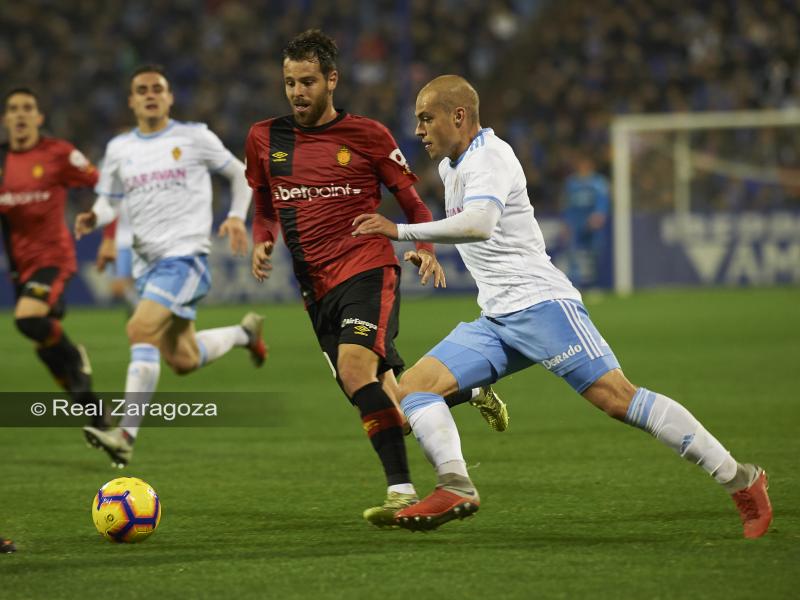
(164, 180)
(511, 268)
(123, 237)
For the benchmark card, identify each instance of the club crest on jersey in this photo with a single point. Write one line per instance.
(279, 156)
(343, 156)
(37, 171)
(176, 153)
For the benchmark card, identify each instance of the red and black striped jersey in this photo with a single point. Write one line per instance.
(315, 181)
(33, 193)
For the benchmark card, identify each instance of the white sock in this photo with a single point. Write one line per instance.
(676, 427)
(436, 432)
(402, 488)
(143, 372)
(214, 343)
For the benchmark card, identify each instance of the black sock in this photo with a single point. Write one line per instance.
(460, 397)
(64, 362)
(383, 424)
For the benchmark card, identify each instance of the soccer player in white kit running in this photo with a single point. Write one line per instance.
(161, 170)
(530, 314)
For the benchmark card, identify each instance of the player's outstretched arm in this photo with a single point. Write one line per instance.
(234, 228)
(107, 251)
(102, 213)
(261, 266)
(265, 229)
(375, 224)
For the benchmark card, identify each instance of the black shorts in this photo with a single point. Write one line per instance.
(363, 310)
(46, 284)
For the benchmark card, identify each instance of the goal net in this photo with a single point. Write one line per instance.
(706, 199)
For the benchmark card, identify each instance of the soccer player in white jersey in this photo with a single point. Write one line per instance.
(531, 314)
(161, 171)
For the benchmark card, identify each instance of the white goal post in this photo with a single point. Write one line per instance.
(677, 128)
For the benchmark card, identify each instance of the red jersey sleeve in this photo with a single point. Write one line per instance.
(254, 170)
(416, 212)
(76, 170)
(390, 163)
(265, 221)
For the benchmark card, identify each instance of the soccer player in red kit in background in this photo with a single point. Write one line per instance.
(313, 172)
(35, 174)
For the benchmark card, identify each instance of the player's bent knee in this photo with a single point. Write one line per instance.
(140, 332)
(354, 372)
(34, 328)
(182, 365)
(428, 378)
(612, 394)
(354, 378)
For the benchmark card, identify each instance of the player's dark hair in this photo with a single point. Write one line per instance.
(150, 68)
(312, 45)
(20, 90)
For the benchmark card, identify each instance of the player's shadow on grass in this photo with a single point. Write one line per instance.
(91, 464)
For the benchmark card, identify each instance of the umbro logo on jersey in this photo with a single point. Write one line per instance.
(343, 156)
(37, 171)
(279, 156)
(176, 153)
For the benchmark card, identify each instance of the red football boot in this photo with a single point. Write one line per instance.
(754, 506)
(437, 509)
(253, 324)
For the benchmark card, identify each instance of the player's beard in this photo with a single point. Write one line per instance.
(312, 114)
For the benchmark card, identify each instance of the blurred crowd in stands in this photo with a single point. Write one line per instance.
(551, 73)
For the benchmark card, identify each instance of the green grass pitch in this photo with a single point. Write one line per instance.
(574, 504)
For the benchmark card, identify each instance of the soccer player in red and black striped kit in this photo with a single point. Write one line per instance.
(313, 172)
(35, 172)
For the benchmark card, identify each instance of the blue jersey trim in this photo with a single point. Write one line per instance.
(109, 194)
(476, 142)
(218, 169)
(149, 136)
(494, 199)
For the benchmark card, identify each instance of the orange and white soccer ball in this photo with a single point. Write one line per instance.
(126, 509)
